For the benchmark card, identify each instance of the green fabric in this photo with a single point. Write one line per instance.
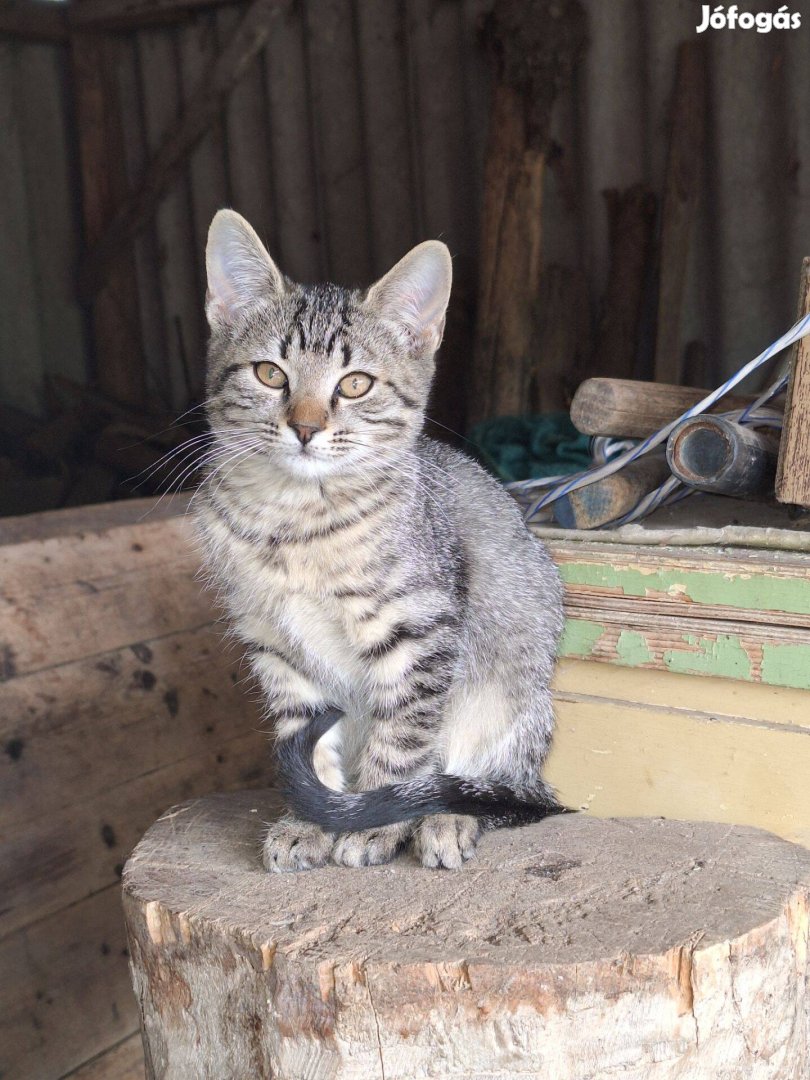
(528, 447)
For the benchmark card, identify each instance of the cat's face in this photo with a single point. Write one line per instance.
(319, 379)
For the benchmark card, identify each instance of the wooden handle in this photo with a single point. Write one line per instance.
(632, 409)
(610, 498)
(714, 454)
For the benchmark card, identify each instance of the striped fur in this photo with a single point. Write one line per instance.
(372, 570)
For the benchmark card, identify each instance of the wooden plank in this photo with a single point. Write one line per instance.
(250, 165)
(20, 382)
(740, 584)
(84, 519)
(123, 14)
(54, 223)
(122, 1062)
(65, 992)
(682, 189)
(724, 699)
(33, 20)
(183, 307)
(120, 367)
(54, 861)
(384, 94)
(199, 42)
(145, 248)
(774, 655)
(74, 597)
(300, 231)
(340, 146)
(793, 474)
(170, 695)
(612, 756)
(183, 135)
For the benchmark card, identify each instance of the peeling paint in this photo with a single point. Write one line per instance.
(756, 592)
(632, 649)
(579, 637)
(722, 655)
(786, 665)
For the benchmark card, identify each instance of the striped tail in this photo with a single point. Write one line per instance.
(438, 793)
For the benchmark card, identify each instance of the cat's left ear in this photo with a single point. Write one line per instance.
(415, 293)
(240, 272)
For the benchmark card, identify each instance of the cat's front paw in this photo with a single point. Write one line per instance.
(446, 840)
(371, 846)
(295, 845)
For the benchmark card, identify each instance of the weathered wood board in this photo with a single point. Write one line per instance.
(568, 948)
(632, 742)
(118, 697)
(734, 613)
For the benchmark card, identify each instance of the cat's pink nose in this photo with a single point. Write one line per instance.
(304, 431)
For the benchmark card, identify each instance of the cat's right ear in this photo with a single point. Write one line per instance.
(240, 272)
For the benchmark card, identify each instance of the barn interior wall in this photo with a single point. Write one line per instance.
(361, 129)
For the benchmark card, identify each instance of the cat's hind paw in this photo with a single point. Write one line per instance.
(295, 845)
(446, 840)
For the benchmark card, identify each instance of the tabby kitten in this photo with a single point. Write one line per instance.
(399, 617)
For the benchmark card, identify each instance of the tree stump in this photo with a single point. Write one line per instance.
(576, 948)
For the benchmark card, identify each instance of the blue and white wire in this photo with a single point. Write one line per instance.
(560, 486)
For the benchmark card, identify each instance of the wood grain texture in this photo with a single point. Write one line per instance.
(629, 742)
(642, 942)
(793, 472)
(682, 190)
(122, 1062)
(115, 303)
(169, 159)
(634, 409)
(109, 713)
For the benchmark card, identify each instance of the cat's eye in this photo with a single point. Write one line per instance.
(270, 374)
(355, 385)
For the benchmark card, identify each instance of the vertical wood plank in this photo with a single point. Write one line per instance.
(178, 274)
(339, 137)
(300, 236)
(119, 361)
(199, 41)
(248, 142)
(54, 210)
(793, 473)
(145, 247)
(21, 374)
(384, 91)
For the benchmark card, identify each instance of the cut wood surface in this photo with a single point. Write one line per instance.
(793, 473)
(569, 946)
(633, 409)
(713, 453)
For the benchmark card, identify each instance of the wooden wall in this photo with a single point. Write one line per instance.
(118, 699)
(41, 323)
(361, 129)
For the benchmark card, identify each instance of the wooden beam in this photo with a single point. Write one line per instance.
(535, 48)
(681, 193)
(115, 14)
(119, 361)
(793, 472)
(183, 135)
(33, 20)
